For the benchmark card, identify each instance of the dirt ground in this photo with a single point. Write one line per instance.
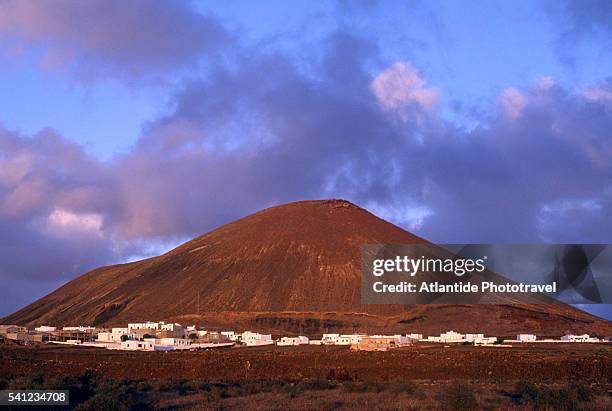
(538, 362)
(491, 373)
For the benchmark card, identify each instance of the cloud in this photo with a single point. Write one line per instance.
(512, 102)
(64, 219)
(599, 93)
(400, 90)
(263, 132)
(577, 21)
(588, 17)
(131, 39)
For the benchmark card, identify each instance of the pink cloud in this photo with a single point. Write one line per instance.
(400, 89)
(134, 38)
(68, 220)
(598, 93)
(512, 102)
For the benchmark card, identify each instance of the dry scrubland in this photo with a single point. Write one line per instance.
(538, 376)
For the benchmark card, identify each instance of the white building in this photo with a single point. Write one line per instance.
(149, 344)
(329, 339)
(147, 325)
(286, 341)
(170, 326)
(526, 338)
(452, 337)
(175, 342)
(579, 338)
(230, 335)
(252, 339)
(132, 345)
(315, 342)
(120, 331)
(344, 339)
(116, 335)
(105, 337)
(79, 328)
(415, 336)
(474, 337)
(44, 329)
(399, 339)
(485, 341)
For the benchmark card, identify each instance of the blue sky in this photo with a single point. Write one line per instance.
(458, 121)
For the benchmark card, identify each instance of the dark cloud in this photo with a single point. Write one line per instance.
(578, 21)
(134, 39)
(263, 132)
(587, 17)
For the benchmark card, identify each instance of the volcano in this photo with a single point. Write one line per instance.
(293, 268)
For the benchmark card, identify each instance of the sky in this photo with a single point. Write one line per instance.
(129, 127)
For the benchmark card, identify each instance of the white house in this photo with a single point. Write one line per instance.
(230, 335)
(344, 339)
(149, 344)
(105, 337)
(252, 339)
(116, 334)
(526, 338)
(315, 342)
(147, 325)
(329, 339)
(474, 337)
(415, 336)
(137, 345)
(79, 328)
(286, 341)
(399, 339)
(452, 337)
(44, 329)
(480, 339)
(576, 338)
(485, 341)
(175, 342)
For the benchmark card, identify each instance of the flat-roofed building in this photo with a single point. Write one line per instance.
(252, 339)
(576, 338)
(526, 338)
(12, 329)
(452, 337)
(288, 341)
(45, 329)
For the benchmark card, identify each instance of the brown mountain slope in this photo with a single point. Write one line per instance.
(294, 267)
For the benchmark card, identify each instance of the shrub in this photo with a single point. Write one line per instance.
(581, 391)
(310, 385)
(565, 398)
(459, 397)
(100, 402)
(355, 386)
(408, 388)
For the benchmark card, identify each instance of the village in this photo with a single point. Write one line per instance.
(162, 336)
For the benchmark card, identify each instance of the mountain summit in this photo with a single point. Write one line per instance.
(293, 267)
